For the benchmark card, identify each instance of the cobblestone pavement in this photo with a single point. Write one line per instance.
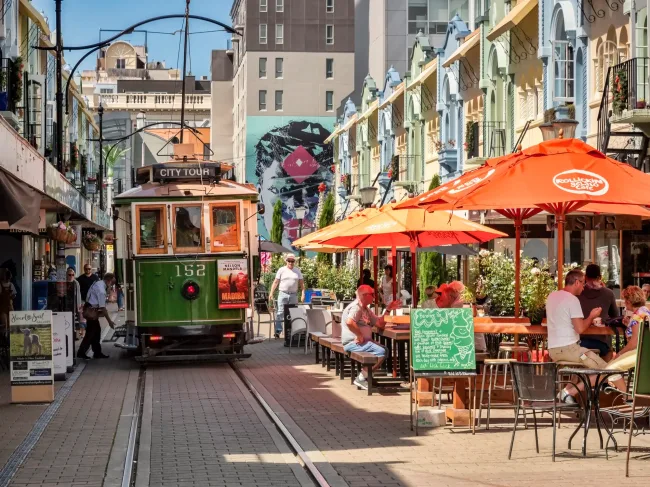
(205, 431)
(369, 442)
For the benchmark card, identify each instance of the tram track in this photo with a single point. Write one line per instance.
(130, 475)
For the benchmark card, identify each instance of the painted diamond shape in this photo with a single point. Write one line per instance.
(300, 165)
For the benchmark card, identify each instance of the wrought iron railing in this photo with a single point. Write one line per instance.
(603, 114)
(493, 136)
(629, 85)
(7, 88)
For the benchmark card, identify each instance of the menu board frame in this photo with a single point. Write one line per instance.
(453, 352)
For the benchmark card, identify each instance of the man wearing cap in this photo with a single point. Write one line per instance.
(288, 279)
(356, 328)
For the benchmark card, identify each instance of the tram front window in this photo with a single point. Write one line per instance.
(225, 227)
(187, 232)
(152, 229)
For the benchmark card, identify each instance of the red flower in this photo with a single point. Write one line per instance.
(333, 168)
(322, 188)
(390, 173)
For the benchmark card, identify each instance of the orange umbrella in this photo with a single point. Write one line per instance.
(558, 176)
(411, 228)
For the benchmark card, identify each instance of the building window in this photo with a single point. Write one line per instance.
(607, 56)
(279, 33)
(329, 101)
(329, 68)
(105, 91)
(279, 67)
(278, 99)
(264, 5)
(263, 33)
(279, 5)
(262, 100)
(120, 63)
(262, 67)
(329, 34)
(329, 6)
(563, 71)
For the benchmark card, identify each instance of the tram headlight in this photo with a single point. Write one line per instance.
(190, 290)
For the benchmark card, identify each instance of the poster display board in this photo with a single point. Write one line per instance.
(234, 285)
(442, 342)
(31, 356)
(61, 346)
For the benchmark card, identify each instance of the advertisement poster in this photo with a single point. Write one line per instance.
(31, 348)
(61, 327)
(234, 286)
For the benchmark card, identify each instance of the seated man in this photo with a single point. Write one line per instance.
(430, 302)
(356, 328)
(565, 323)
(595, 294)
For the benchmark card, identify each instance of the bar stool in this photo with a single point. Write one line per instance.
(491, 366)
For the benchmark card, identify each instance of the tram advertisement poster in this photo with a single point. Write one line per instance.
(30, 351)
(234, 286)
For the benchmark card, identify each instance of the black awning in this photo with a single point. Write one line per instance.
(19, 204)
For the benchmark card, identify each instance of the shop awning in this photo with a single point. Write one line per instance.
(514, 17)
(471, 41)
(399, 89)
(429, 69)
(19, 204)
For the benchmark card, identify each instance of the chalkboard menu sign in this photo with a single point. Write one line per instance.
(442, 342)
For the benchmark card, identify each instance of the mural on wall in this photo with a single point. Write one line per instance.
(288, 159)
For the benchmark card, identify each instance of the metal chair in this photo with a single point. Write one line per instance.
(536, 387)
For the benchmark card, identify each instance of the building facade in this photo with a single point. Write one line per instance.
(291, 65)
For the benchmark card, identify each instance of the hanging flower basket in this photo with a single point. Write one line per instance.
(91, 242)
(61, 232)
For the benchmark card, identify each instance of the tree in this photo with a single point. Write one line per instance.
(326, 219)
(111, 156)
(430, 263)
(277, 228)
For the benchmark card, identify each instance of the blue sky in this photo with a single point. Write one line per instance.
(82, 20)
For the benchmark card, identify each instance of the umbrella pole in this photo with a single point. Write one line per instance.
(361, 259)
(393, 254)
(375, 268)
(518, 223)
(414, 277)
(560, 250)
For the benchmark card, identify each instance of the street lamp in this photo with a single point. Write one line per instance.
(100, 112)
(301, 213)
(368, 196)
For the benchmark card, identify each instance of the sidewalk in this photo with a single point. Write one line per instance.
(369, 442)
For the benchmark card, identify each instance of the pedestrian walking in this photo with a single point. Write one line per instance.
(288, 279)
(94, 308)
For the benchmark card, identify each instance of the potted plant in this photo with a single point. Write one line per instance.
(62, 232)
(74, 155)
(16, 69)
(549, 115)
(620, 91)
(438, 145)
(469, 138)
(91, 242)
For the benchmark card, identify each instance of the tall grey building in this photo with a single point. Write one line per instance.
(291, 66)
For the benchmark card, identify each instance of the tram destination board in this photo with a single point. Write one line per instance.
(186, 172)
(442, 342)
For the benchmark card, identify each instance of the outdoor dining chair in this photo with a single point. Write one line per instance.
(318, 321)
(298, 323)
(537, 388)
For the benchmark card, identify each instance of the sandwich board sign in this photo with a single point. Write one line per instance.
(442, 342)
(32, 374)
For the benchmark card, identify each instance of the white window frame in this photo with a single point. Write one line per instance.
(329, 40)
(329, 104)
(122, 60)
(261, 100)
(329, 6)
(279, 5)
(608, 55)
(563, 67)
(279, 73)
(279, 106)
(262, 69)
(329, 73)
(264, 33)
(264, 5)
(279, 34)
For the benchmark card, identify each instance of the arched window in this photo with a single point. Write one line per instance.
(563, 64)
(607, 56)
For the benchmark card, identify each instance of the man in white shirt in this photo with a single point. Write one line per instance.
(288, 279)
(96, 299)
(565, 323)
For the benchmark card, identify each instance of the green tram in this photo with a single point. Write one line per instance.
(186, 247)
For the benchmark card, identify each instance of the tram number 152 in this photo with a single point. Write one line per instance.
(190, 270)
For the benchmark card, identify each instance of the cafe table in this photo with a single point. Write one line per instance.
(458, 414)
